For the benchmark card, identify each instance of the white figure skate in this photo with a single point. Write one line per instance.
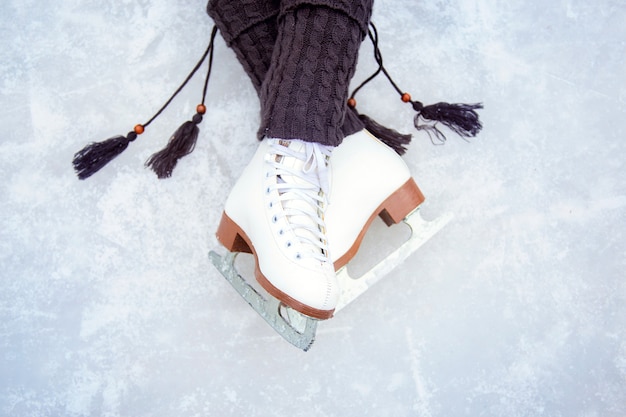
(276, 212)
(368, 179)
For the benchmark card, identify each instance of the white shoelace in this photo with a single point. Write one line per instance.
(303, 185)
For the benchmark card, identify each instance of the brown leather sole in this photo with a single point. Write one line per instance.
(234, 239)
(393, 210)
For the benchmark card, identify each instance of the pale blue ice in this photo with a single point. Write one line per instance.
(109, 305)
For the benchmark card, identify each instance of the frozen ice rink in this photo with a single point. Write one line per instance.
(109, 305)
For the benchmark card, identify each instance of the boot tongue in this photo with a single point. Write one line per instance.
(295, 163)
(312, 161)
(291, 162)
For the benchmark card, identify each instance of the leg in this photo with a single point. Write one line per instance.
(276, 209)
(305, 90)
(250, 29)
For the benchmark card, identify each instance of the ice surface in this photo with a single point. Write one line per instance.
(109, 304)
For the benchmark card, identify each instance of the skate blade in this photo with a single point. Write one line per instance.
(294, 327)
(298, 329)
(421, 232)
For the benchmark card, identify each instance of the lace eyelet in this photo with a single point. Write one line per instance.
(274, 219)
(288, 244)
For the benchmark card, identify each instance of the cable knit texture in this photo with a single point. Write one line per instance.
(234, 17)
(300, 57)
(358, 10)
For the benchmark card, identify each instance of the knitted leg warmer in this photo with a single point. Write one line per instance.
(250, 28)
(305, 91)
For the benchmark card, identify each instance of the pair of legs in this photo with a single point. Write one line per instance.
(300, 56)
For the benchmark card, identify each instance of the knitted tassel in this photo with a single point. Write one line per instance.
(390, 137)
(182, 143)
(96, 155)
(460, 118)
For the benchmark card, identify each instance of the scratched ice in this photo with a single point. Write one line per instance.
(110, 306)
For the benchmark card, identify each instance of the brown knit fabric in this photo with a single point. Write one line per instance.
(300, 56)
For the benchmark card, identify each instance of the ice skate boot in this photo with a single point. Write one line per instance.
(368, 179)
(276, 212)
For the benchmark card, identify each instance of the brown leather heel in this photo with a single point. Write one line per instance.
(401, 203)
(231, 236)
(235, 240)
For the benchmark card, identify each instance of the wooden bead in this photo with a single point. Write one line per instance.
(351, 103)
(406, 97)
(139, 129)
(201, 108)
